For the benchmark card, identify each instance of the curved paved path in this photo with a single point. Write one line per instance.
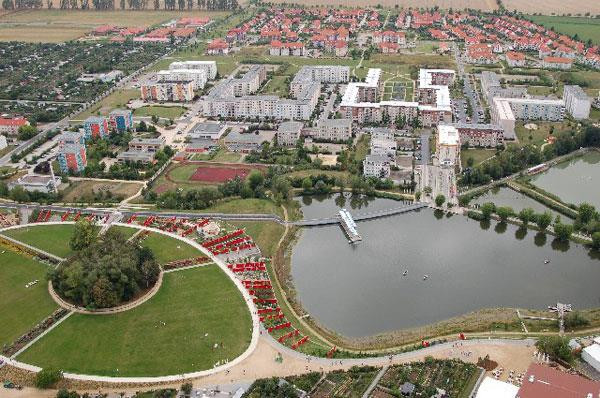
(168, 378)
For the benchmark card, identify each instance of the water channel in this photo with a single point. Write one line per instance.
(359, 290)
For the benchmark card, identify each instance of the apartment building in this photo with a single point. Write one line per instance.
(288, 133)
(577, 102)
(72, 154)
(333, 130)
(505, 111)
(231, 98)
(378, 166)
(142, 150)
(168, 90)
(121, 120)
(447, 146)
(210, 67)
(95, 127)
(196, 76)
(308, 75)
(9, 126)
(491, 87)
(557, 63)
(480, 135)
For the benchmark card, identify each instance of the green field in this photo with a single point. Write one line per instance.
(166, 112)
(265, 234)
(246, 206)
(117, 99)
(585, 28)
(166, 335)
(53, 239)
(167, 249)
(478, 155)
(21, 308)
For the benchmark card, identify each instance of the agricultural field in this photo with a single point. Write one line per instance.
(585, 28)
(21, 308)
(172, 333)
(166, 112)
(53, 239)
(40, 33)
(554, 7)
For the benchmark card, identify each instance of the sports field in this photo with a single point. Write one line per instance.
(585, 28)
(21, 308)
(174, 332)
(53, 239)
(219, 174)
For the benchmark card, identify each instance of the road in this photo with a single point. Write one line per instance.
(469, 89)
(425, 149)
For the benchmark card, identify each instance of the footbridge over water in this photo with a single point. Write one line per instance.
(361, 216)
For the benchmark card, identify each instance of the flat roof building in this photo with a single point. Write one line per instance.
(577, 102)
(206, 130)
(288, 133)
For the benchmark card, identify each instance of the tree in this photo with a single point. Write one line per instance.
(544, 220)
(26, 132)
(307, 185)
(255, 179)
(587, 213)
(47, 377)
(526, 215)
(439, 200)
(556, 347)
(563, 231)
(186, 388)
(83, 236)
(487, 209)
(504, 212)
(596, 240)
(417, 195)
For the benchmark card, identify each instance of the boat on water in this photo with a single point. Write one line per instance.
(405, 273)
(425, 277)
(546, 261)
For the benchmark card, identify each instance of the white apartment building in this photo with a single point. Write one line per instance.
(333, 129)
(505, 111)
(210, 67)
(308, 75)
(288, 133)
(447, 148)
(197, 76)
(577, 102)
(480, 135)
(231, 98)
(378, 166)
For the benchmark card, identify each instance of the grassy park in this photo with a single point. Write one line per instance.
(117, 99)
(21, 308)
(166, 112)
(174, 332)
(53, 239)
(167, 249)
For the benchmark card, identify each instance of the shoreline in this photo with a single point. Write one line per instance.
(484, 320)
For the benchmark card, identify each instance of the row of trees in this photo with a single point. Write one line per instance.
(105, 271)
(514, 159)
(210, 5)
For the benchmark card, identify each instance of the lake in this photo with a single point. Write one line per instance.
(574, 181)
(359, 290)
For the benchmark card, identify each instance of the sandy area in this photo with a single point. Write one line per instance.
(262, 364)
(559, 7)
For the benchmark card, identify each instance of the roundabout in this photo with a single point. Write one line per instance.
(195, 323)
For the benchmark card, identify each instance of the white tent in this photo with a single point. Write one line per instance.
(492, 388)
(591, 355)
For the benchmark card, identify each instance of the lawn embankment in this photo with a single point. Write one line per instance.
(21, 308)
(53, 239)
(196, 319)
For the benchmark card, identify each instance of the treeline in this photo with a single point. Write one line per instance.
(515, 159)
(181, 5)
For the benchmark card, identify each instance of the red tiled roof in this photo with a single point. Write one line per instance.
(551, 383)
(13, 122)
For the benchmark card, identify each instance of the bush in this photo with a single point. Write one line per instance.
(556, 347)
(47, 377)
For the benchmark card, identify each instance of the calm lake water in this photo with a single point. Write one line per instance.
(359, 290)
(575, 181)
(502, 196)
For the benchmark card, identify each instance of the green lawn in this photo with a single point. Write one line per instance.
(182, 173)
(537, 137)
(164, 336)
(126, 231)
(166, 112)
(53, 239)
(245, 206)
(21, 308)
(585, 28)
(167, 249)
(117, 99)
(478, 155)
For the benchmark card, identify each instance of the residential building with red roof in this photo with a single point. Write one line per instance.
(480, 53)
(217, 47)
(515, 59)
(290, 48)
(10, 126)
(545, 382)
(557, 63)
